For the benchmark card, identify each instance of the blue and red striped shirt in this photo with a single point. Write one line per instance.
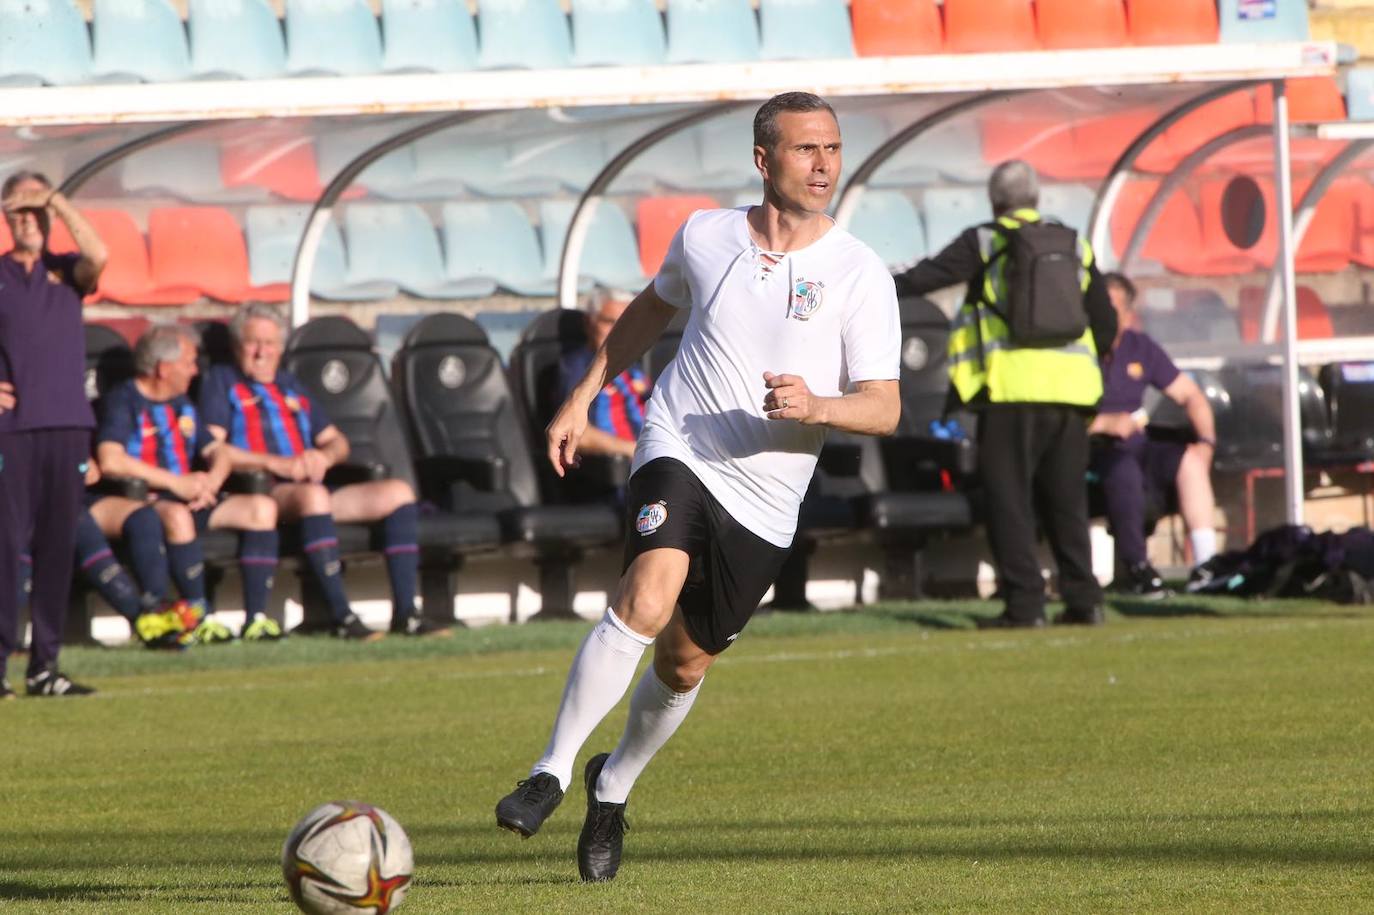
(276, 418)
(619, 407)
(167, 434)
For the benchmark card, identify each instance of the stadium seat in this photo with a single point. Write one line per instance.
(1314, 319)
(202, 248)
(612, 33)
(949, 211)
(1349, 390)
(139, 39)
(658, 219)
(1235, 109)
(529, 34)
(189, 170)
(804, 30)
(449, 162)
(1080, 24)
(1330, 238)
(1099, 141)
(726, 160)
(286, 167)
(890, 28)
(1247, 21)
(332, 38)
(888, 223)
(712, 32)
(1071, 204)
(396, 242)
(941, 152)
(435, 36)
(981, 26)
(472, 440)
(1359, 93)
(503, 329)
(393, 175)
(568, 159)
(1310, 101)
(862, 134)
(1175, 240)
(1161, 22)
(668, 163)
(364, 410)
(1249, 415)
(1044, 141)
(494, 242)
(235, 38)
(610, 255)
(273, 235)
(43, 41)
(127, 278)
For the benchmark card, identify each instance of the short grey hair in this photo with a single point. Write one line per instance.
(162, 343)
(1012, 186)
(254, 311)
(14, 180)
(601, 294)
(766, 130)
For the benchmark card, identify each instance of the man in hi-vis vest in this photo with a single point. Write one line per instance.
(1023, 355)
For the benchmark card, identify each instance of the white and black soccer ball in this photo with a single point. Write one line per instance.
(347, 858)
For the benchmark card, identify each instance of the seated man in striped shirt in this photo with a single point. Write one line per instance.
(617, 413)
(265, 413)
(150, 430)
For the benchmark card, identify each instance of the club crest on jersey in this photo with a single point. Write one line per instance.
(293, 404)
(651, 517)
(807, 297)
(187, 425)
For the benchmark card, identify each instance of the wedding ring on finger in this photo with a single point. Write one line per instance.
(784, 403)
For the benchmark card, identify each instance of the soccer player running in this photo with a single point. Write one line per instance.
(793, 329)
(150, 430)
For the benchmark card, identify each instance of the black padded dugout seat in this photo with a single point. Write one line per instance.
(472, 439)
(1247, 401)
(333, 359)
(1349, 390)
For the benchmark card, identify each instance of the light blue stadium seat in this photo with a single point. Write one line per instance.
(504, 328)
(665, 163)
(393, 175)
(569, 159)
(949, 211)
(611, 253)
(950, 150)
(396, 242)
(494, 241)
(449, 161)
(888, 223)
(390, 332)
(712, 31)
(617, 33)
(188, 170)
(428, 35)
(333, 37)
(274, 232)
(523, 34)
(43, 41)
(1359, 93)
(805, 30)
(862, 134)
(240, 38)
(139, 39)
(1071, 204)
(1269, 20)
(727, 154)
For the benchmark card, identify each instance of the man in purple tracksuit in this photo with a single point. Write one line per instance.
(45, 420)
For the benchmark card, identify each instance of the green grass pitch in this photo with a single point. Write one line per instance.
(1197, 756)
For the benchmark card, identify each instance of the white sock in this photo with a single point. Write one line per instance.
(1204, 541)
(655, 713)
(600, 674)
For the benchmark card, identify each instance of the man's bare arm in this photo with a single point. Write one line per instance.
(872, 408)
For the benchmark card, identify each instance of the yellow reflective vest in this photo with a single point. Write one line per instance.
(986, 367)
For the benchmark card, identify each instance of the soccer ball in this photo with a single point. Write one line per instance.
(347, 858)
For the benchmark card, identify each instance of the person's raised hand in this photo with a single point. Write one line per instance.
(789, 397)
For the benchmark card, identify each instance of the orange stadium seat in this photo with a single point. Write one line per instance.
(1081, 23)
(1153, 22)
(1176, 238)
(126, 278)
(1362, 251)
(973, 26)
(1329, 242)
(1098, 142)
(1045, 142)
(894, 28)
(1235, 109)
(288, 169)
(203, 248)
(1314, 319)
(659, 219)
(1310, 100)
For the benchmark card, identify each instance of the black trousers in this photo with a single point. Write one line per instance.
(1033, 461)
(40, 498)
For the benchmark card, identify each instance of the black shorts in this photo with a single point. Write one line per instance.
(731, 566)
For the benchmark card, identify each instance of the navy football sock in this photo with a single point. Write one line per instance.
(257, 565)
(144, 540)
(400, 529)
(98, 563)
(322, 552)
(187, 562)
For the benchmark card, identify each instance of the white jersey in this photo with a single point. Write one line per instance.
(827, 313)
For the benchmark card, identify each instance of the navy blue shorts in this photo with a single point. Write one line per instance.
(731, 567)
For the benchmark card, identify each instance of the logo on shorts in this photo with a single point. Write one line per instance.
(807, 296)
(651, 517)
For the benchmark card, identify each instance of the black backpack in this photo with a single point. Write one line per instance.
(1044, 295)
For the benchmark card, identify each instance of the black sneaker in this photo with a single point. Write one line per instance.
(1003, 621)
(1140, 579)
(526, 808)
(603, 832)
(421, 627)
(1079, 616)
(1203, 579)
(354, 629)
(6, 691)
(52, 683)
